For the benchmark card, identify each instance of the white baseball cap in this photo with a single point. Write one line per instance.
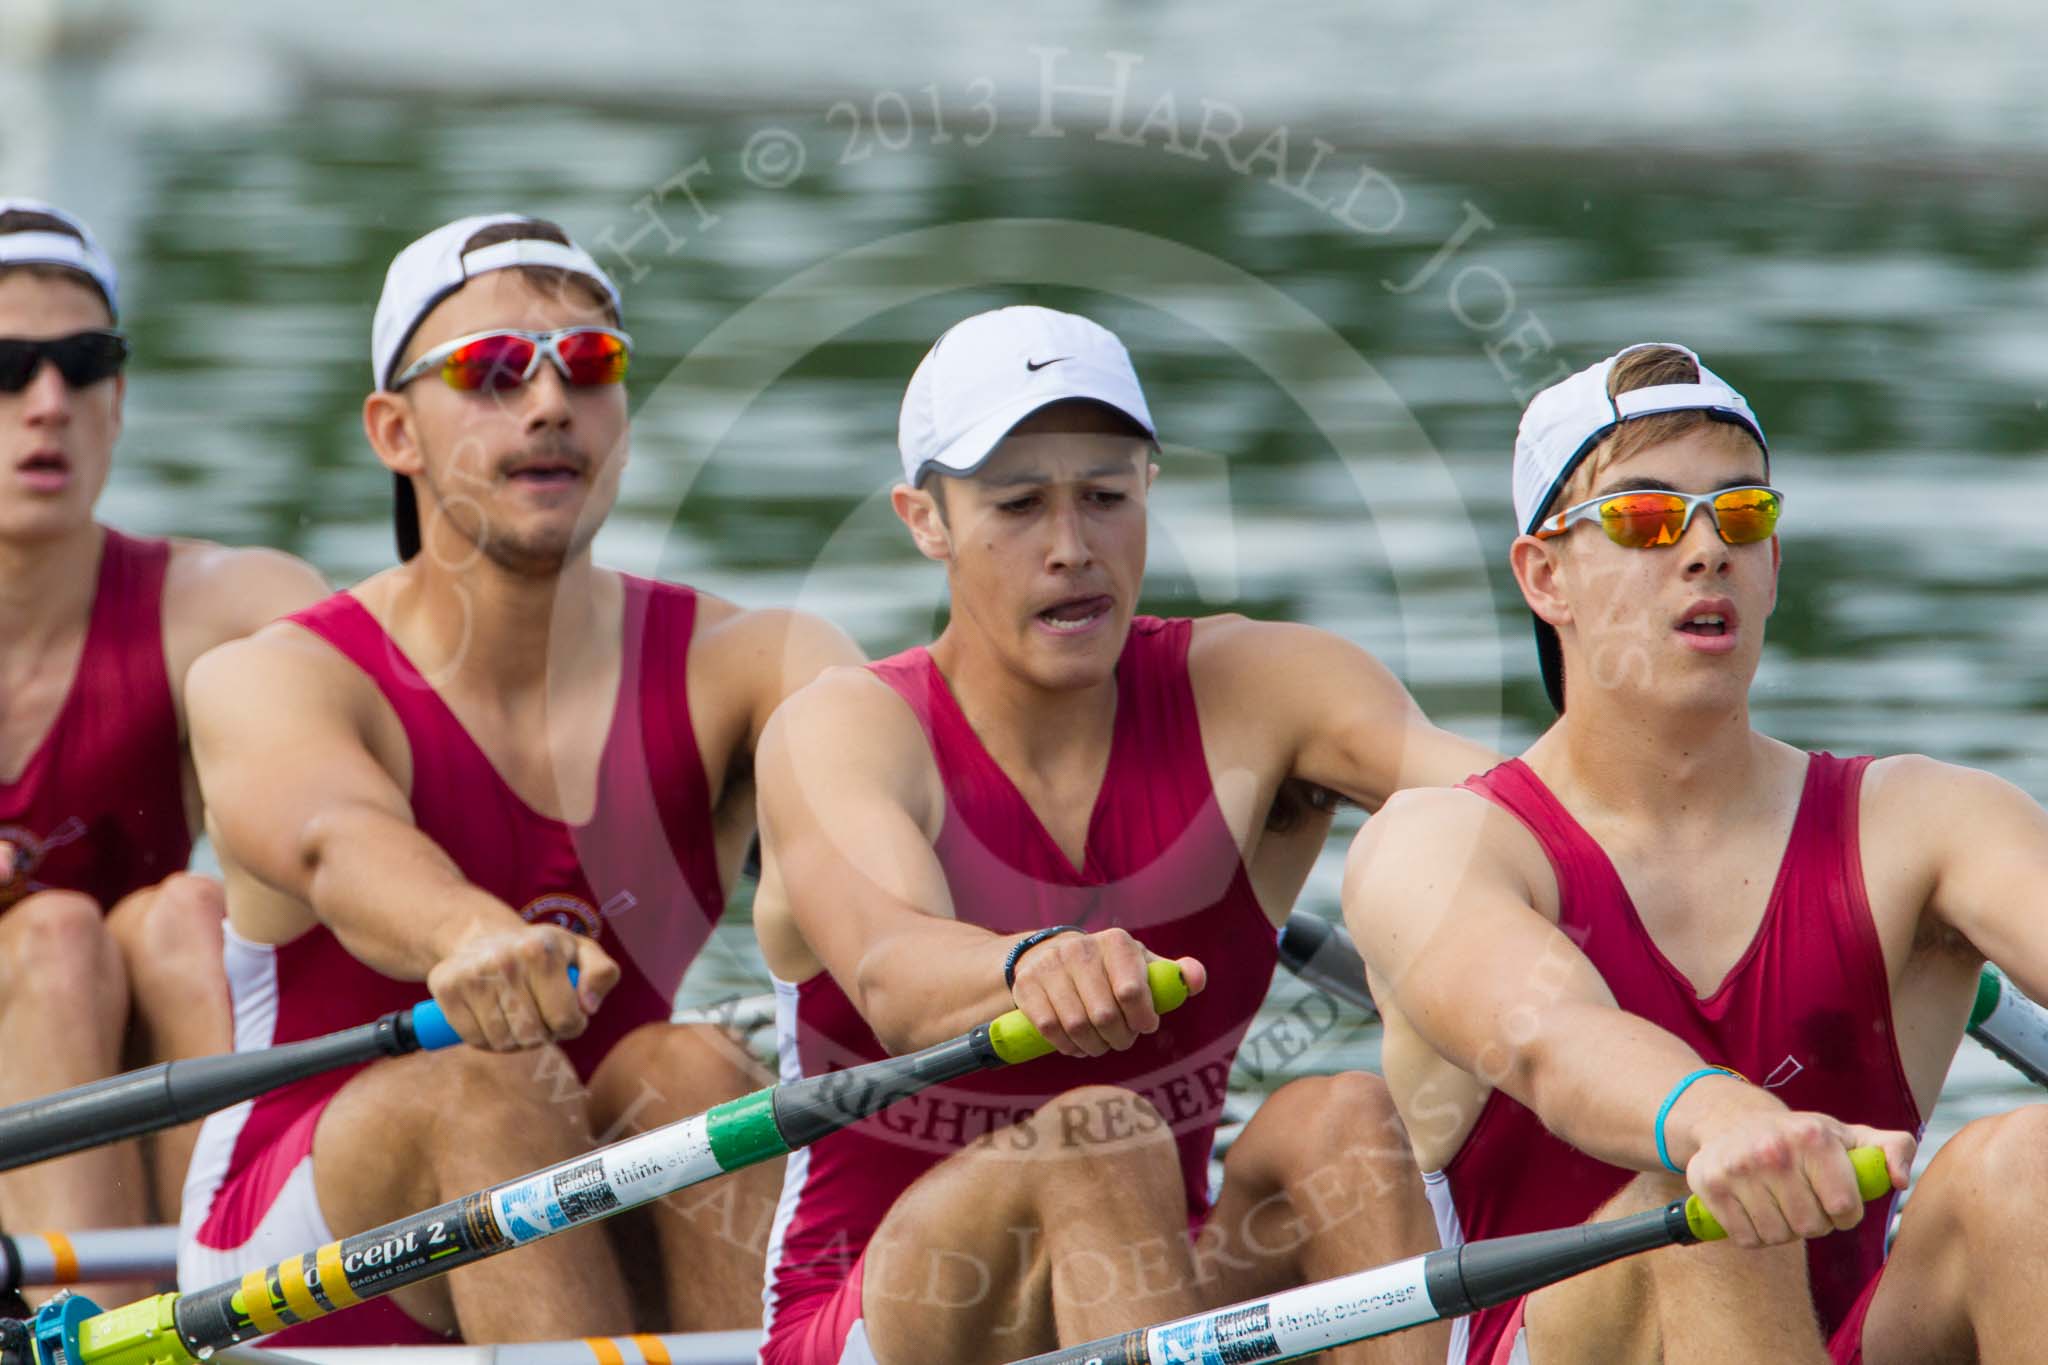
(81, 253)
(436, 266)
(427, 272)
(988, 373)
(1563, 424)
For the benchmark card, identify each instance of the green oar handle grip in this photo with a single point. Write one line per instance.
(1015, 1039)
(1873, 1181)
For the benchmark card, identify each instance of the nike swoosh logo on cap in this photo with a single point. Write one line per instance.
(1036, 365)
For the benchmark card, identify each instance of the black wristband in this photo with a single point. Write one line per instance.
(1028, 942)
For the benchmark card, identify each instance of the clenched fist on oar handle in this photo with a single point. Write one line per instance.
(1089, 993)
(509, 989)
(1772, 1175)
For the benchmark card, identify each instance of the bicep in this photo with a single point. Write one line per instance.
(1990, 865)
(280, 756)
(1445, 919)
(844, 824)
(1352, 725)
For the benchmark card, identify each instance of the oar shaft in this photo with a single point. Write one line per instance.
(170, 1093)
(175, 1330)
(2011, 1025)
(1322, 955)
(1393, 1298)
(584, 1189)
(44, 1259)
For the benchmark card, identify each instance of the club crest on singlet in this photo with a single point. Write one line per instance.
(565, 911)
(29, 849)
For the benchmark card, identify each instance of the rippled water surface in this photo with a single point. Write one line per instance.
(1337, 433)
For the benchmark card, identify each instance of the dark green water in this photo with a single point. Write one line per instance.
(1337, 439)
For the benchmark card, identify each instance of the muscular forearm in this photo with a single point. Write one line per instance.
(916, 989)
(1596, 1076)
(391, 895)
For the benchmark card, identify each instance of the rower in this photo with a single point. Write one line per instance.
(1661, 949)
(1053, 792)
(479, 769)
(109, 950)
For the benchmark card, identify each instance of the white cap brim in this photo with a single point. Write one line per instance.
(989, 372)
(44, 247)
(972, 448)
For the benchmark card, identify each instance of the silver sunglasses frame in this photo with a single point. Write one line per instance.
(546, 346)
(1589, 510)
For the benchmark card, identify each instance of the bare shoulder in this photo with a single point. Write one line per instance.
(1232, 638)
(846, 709)
(755, 659)
(282, 668)
(1913, 804)
(848, 728)
(1231, 652)
(1337, 716)
(1429, 819)
(764, 634)
(1449, 841)
(218, 592)
(1906, 780)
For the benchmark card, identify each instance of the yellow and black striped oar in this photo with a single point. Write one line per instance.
(175, 1329)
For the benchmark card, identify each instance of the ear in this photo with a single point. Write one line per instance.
(1539, 572)
(919, 510)
(387, 422)
(1151, 474)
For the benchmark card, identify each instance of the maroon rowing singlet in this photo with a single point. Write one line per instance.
(100, 808)
(1161, 862)
(1806, 1012)
(641, 877)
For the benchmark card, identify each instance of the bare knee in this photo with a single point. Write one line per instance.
(527, 1102)
(1090, 1141)
(60, 958)
(1649, 1190)
(1988, 1181)
(663, 1071)
(173, 929)
(1105, 1122)
(1310, 1128)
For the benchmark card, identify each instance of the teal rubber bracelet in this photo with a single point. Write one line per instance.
(1685, 1083)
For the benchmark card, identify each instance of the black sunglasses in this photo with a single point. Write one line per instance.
(83, 358)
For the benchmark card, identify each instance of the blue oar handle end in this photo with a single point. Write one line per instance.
(431, 1029)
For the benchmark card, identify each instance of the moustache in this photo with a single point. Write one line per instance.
(564, 454)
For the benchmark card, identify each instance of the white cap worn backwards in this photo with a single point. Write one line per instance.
(55, 248)
(990, 372)
(1561, 426)
(429, 271)
(1563, 423)
(436, 266)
